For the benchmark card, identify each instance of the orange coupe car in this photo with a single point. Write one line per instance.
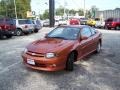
(62, 47)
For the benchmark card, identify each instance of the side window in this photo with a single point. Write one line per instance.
(92, 31)
(86, 32)
(9, 21)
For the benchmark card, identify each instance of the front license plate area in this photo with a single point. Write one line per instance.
(31, 61)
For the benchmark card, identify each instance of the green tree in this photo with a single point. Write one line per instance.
(59, 11)
(93, 11)
(88, 14)
(81, 12)
(72, 12)
(7, 8)
(45, 14)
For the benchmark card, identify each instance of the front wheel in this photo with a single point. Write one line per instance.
(19, 32)
(8, 36)
(98, 49)
(117, 27)
(36, 30)
(70, 62)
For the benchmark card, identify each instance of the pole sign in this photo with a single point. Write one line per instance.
(30, 14)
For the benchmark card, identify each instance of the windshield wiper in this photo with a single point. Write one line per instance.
(59, 37)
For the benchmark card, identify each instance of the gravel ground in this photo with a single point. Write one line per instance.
(95, 72)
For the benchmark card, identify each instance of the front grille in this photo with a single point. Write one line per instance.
(40, 65)
(35, 54)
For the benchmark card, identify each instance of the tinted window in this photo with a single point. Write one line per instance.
(109, 20)
(9, 21)
(97, 19)
(86, 32)
(83, 19)
(1, 20)
(25, 22)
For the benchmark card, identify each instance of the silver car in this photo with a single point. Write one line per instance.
(46, 23)
(24, 26)
(37, 25)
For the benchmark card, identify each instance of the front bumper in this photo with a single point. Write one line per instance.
(7, 32)
(41, 63)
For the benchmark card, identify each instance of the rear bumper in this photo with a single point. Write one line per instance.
(110, 25)
(27, 30)
(7, 32)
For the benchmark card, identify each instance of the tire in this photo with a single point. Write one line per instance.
(1, 36)
(26, 33)
(18, 32)
(36, 30)
(98, 49)
(106, 27)
(117, 27)
(109, 28)
(70, 62)
(8, 36)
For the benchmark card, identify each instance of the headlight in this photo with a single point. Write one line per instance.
(50, 55)
(25, 50)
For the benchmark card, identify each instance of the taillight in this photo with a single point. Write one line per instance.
(6, 27)
(26, 26)
(0, 28)
(113, 23)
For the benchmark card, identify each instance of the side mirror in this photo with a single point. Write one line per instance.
(84, 37)
(46, 35)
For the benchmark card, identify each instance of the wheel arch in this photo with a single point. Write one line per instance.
(100, 41)
(19, 28)
(76, 54)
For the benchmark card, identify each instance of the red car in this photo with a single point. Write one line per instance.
(62, 47)
(7, 27)
(74, 21)
(112, 23)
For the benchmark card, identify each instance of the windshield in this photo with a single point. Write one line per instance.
(68, 33)
(109, 20)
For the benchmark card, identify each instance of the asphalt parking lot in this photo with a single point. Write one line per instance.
(96, 72)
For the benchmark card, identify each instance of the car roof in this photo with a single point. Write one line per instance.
(74, 26)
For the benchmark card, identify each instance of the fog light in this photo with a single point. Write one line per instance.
(53, 65)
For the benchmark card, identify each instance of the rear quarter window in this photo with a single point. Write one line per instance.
(25, 22)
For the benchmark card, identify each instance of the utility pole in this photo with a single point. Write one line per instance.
(65, 4)
(15, 9)
(64, 9)
(51, 12)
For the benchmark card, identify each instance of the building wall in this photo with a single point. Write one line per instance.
(108, 13)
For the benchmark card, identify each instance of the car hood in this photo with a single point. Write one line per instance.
(49, 45)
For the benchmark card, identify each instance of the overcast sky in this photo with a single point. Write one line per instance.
(40, 5)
